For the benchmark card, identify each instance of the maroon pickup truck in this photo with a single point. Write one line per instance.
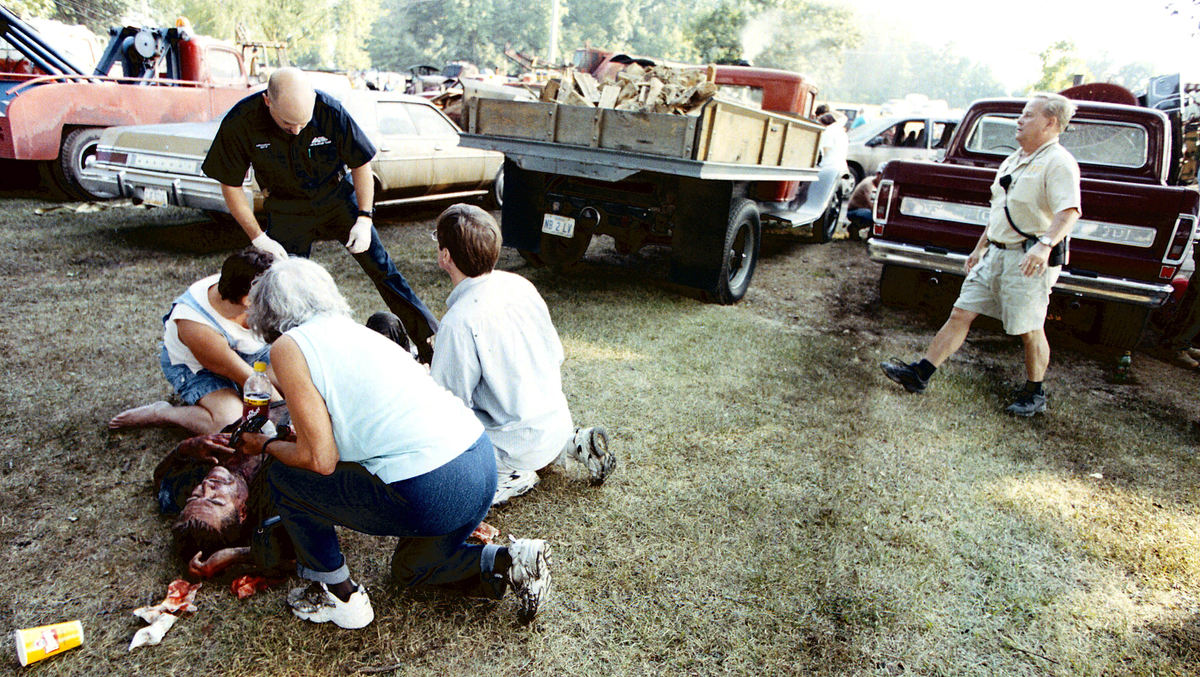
(1125, 249)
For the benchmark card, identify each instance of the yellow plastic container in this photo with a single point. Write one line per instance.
(34, 644)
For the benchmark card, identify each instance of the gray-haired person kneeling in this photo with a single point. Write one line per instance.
(379, 448)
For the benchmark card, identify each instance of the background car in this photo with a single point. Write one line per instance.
(419, 158)
(911, 137)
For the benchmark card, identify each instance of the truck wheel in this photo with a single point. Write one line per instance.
(743, 235)
(824, 227)
(898, 286)
(495, 196)
(1121, 325)
(856, 172)
(77, 152)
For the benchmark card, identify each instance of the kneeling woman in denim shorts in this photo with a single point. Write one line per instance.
(207, 352)
(379, 448)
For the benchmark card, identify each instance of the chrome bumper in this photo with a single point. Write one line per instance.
(1150, 294)
(196, 192)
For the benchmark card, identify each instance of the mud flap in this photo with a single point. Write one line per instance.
(698, 241)
(521, 214)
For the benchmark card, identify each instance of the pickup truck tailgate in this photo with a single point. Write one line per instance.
(1134, 231)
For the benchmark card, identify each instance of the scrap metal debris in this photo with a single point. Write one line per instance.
(180, 599)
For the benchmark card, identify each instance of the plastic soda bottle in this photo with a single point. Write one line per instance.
(256, 393)
(1123, 367)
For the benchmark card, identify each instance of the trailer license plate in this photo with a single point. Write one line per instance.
(557, 224)
(155, 196)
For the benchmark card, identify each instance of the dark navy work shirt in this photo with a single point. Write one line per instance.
(301, 173)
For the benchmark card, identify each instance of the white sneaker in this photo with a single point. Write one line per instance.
(315, 603)
(590, 447)
(514, 483)
(529, 574)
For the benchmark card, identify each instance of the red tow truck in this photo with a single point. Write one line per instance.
(1133, 237)
(52, 113)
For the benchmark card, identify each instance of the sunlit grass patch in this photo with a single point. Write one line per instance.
(1158, 545)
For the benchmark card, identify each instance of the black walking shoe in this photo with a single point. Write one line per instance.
(904, 374)
(1028, 403)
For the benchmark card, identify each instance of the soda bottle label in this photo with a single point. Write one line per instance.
(255, 404)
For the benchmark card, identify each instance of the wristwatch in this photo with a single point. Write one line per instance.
(369, 213)
(1045, 239)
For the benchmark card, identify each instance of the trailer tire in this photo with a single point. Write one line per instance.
(77, 151)
(743, 236)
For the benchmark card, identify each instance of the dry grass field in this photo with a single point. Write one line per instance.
(780, 508)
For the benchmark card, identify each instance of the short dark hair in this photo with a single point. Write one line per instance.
(820, 110)
(239, 270)
(193, 535)
(472, 237)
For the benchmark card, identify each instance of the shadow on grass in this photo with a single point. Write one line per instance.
(201, 236)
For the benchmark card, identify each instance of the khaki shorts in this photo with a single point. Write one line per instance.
(997, 288)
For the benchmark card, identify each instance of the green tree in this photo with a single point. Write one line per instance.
(1060, 63)
(97, 15)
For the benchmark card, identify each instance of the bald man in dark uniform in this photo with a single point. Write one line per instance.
(301, 142)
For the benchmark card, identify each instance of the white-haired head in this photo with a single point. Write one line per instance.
(290, 293)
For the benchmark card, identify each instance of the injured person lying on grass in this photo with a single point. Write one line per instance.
(223, 508)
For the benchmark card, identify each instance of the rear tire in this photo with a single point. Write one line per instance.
(77, 152)
(743, 237)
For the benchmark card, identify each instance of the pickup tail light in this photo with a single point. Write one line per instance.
(1167, 273)
(1180, 239)
(111, 157)
(883, 204)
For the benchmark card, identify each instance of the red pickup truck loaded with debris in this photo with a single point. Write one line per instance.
(1125, 250)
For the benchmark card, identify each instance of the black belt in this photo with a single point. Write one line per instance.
(1007, 245)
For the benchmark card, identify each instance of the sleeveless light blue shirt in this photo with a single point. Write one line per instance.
(388, 414)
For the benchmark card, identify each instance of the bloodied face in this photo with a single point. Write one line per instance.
(218, 501)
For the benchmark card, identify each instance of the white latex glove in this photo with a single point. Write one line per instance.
(360, 236)
(264, 243)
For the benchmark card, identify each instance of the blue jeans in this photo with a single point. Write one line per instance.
(862, 216)
(433, 514)
(192, 386)
(297, 232)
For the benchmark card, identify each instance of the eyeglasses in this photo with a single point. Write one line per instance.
(433, 235)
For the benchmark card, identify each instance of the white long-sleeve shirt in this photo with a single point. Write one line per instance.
(498, 351)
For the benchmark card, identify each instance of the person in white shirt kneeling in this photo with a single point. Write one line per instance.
(498, 351)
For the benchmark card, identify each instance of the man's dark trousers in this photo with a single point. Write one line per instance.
(297, 232)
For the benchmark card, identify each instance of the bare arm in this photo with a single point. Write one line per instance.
(314, 448)
(242, 210)
(213, 351)
(364, 186)
(1060, 227)
(218, 561)
(976, 254)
